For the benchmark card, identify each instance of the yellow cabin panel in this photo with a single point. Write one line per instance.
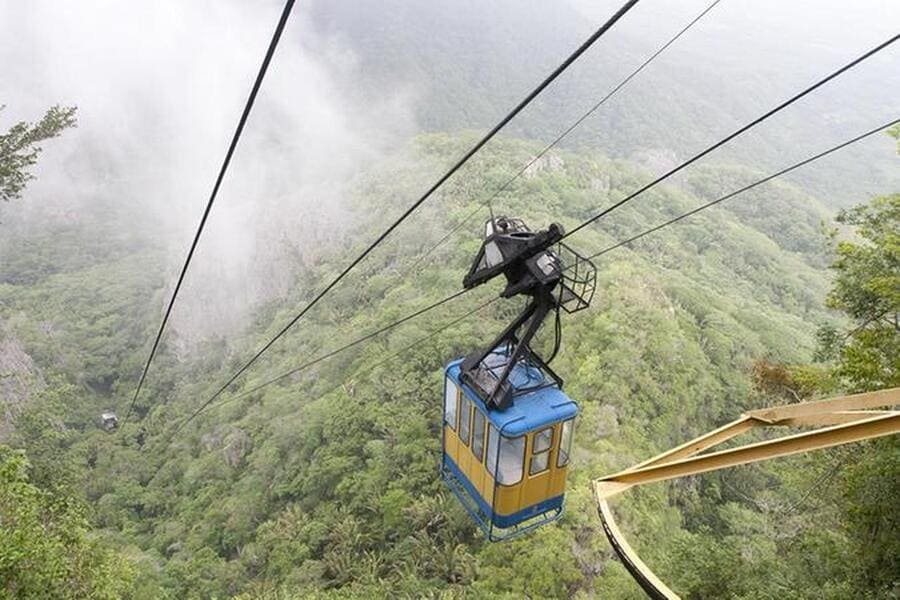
(535, 489)
(455, 448)
(451, 442)
(465, 460)
(509, 499)
(476, 476)
(485, 483)
(558, 477)
(473, 470)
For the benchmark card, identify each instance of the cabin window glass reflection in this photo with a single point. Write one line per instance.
(511, 460)
(538, 463)
(464, 410)
(565, 443)
(542, 440)
(478, 434)
(540, 450)
(450, 400)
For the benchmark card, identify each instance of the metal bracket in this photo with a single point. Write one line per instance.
(843, 420)
(532, 268)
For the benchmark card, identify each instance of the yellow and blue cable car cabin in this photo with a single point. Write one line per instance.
(507, 425)
(508, 467)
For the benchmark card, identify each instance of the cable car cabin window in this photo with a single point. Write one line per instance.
(464, 410)
(565, 443)
(542, 440)
(478, 434)
(540, 459)
(539, 463)
(451, 393)
(511, 459)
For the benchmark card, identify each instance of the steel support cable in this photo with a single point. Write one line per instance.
(564, 134)
(736, 133)
(456, 166)
(420, 312)
(759, 182)
(330, 354)
(728, 196)
(251, 99)
(374, 365)
(385, 360)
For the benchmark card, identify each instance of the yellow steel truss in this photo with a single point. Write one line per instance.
(841, 420)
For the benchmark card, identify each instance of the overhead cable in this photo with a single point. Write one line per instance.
(736, 133)
(746, 188)
(456, 166)
(564, 134)
(276, 36)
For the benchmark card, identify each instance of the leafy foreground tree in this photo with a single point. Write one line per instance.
(867, 288)
(46, 550)
(837, 536)
(19, 148)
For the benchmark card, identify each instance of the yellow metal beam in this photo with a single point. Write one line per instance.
(865, 401)
(831, 411)
(849, 419)
(713, 438)
(608, 489)
(835, 418)
(802, 442)
(647, 579)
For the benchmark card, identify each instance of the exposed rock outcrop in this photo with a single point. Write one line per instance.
(234, 444)
(549, 163)
(19, 381)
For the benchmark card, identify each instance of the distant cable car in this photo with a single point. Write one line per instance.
(508, 426)
(108, 420)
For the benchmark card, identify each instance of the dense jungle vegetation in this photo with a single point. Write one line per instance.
(325, 485)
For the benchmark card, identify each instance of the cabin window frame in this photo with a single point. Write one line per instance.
(566, 436)
(503, 456)
(451, 409)
(540, 455)
(478, 443)
(465, 428)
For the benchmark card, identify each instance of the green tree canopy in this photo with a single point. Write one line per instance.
(867, 289)
(19, 148)
(46, 550)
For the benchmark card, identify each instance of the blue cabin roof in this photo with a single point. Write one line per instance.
(529, 411)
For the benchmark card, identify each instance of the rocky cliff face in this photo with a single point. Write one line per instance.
(19, 381)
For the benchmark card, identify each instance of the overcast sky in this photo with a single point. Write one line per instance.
(160, 85)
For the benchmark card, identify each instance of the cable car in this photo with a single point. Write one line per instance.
(108, 420)
(507, 424)
(508, 467)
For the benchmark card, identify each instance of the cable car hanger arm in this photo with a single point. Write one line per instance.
(531, 268)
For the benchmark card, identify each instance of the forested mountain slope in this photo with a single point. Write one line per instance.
(466, 63)
(325, 485)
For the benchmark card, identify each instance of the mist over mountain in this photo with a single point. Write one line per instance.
(734, 65)
(315, 477)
